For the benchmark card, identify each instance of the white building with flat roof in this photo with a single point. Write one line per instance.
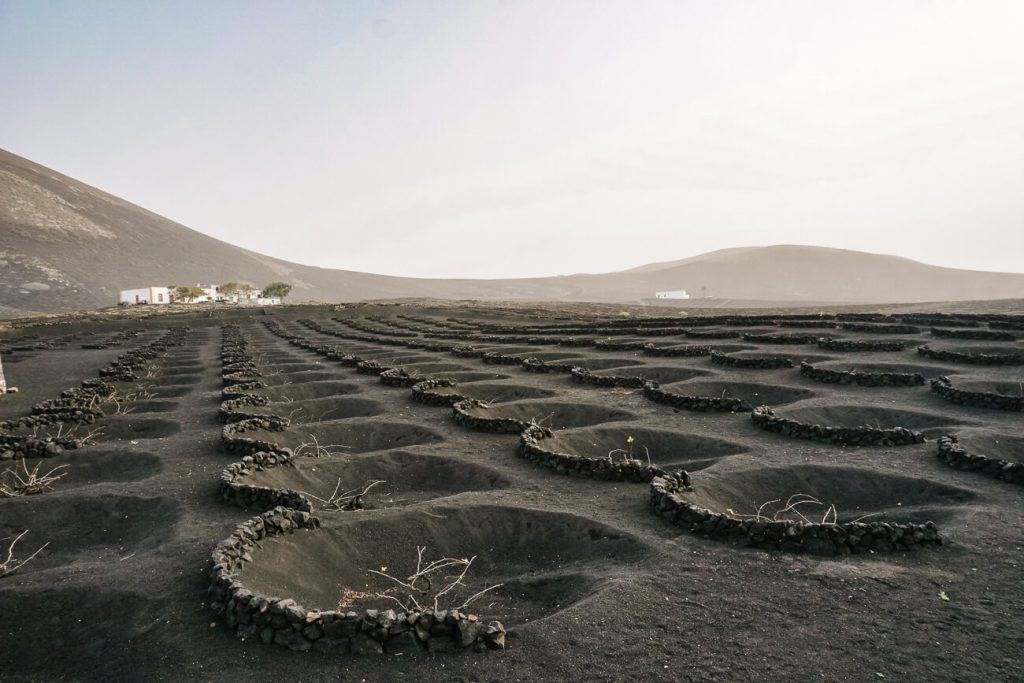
(676, 294)
(145, 295)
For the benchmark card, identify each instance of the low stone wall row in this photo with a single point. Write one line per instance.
(864, 379)
(990, 335)
(573, 342)
(942, 386)
(846, 538)
(396, 377)
(544, 367)
(878, 345)
(722, 404)
(781, 338)
(712, 334)
(282, 621)
(422, 392)
(584, 376)
(880, 328)
(242, 389)
(496, 358)
(234, 490)
(972, 358)
(14, 447)
(467, 352)
(371, 367)
(498, 425)
(951, 453)
(805, 323)
(764, 363)
(938, 319)
(1006, 324)
(683, 351)
(620, 345)
(532, 448)
(765, 418)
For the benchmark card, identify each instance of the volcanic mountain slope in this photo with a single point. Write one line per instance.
(67, 246)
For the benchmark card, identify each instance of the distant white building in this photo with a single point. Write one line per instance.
(677, 294)
(145, 295)
(246, 295)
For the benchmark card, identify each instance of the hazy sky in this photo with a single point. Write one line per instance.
(512, 138)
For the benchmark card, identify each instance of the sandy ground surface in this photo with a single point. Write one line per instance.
(597, 586)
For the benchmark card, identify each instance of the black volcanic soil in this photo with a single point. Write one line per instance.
(597, 587)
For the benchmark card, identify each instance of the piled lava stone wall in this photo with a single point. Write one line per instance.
(765, 418)
(585, 376)
(725, 404)
(977, 399)
(781, 338)
(972, 358)
(951, 453)
(1006, 324)
(16, 447)
(763, 363)
(684, 350)
(861, 344)
(286, 623)
(620, 345)
(532, 449)
(499, 425)
(791, 536)
(467, 352)
(234, 490)
(993, 335)
(805, 323)
(712, 334)
(864, 379)
(422, 392)
(880, 328)
(396, 377)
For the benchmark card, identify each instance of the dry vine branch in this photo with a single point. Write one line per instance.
(791, 506)
(25, 483)
(346, 500)
(317, 451)
(10, 565)
(419, 586)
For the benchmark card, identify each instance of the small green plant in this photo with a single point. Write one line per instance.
(627, 453)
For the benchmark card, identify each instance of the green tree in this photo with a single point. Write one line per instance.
(277, 289)
(229, 288)
(187, 294)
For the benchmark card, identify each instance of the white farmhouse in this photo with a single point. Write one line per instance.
(247, 295)
(676, 294)
(145, 295)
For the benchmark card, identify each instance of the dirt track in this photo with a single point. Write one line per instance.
(596, 585)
